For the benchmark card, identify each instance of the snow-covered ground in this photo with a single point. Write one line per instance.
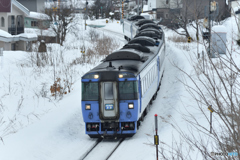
(35, 126)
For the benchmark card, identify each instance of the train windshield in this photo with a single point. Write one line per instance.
(90, 91)
(128, 90)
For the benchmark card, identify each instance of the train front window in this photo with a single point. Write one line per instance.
(90, 91)
(108, 90)
(128, 90)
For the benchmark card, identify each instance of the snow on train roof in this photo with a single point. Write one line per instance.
(125, 54)
(153, 25)
(143, 39)
(144, 21)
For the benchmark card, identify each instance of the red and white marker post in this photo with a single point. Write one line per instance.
(156, 140)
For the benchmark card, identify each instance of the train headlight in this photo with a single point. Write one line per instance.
(88, 106)
(120, 76)
(96, 76)
(130, 106)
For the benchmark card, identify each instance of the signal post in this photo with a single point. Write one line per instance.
(156, 139)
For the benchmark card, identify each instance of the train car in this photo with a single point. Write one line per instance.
(133, 25)
(129, 27)
(117, 92)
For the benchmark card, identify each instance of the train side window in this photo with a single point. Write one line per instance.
(155, 71)
(144, 84)
(152, 75)
(159, 64)
(148, 79)
(143, 88)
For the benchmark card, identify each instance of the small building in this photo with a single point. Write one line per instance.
(12, 35)
(37, 20)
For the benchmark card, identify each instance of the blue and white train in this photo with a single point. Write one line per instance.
(116, 93)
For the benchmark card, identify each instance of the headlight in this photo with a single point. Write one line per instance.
(130, 106)
(87, 106)
(120, 76)
(96, 76)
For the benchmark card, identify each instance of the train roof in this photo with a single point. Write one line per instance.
(157, 31)
(128, 59)
(126, 54)
(135, 17)
(152, 25)
(138, 47)
(144, 21)
(151, 34)
(144, 41)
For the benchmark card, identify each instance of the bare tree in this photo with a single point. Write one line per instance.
(197, 12)
(179, 14)
(61, 17)
(216, 85)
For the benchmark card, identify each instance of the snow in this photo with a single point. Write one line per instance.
(27, 35)
(38, 15)
(145, 8)
(219, 29)
(38, 32)
(4, 33)
(24, 35)
(42, 128)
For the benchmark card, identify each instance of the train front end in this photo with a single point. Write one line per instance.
(110, 104)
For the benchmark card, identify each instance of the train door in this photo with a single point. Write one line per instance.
(109, 102)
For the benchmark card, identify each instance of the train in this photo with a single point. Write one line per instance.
(117, 93)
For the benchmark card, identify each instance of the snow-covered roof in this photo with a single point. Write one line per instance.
(145, 8)
(4, 33)
(20, 6)
(39, 32)
(219, 29)
(76, 4)
(37, 15)
(6, 37)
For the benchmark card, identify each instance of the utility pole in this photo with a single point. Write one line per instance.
(138, 8)
(86, 14)
(209, 24)
(211, 111)
(120, 14)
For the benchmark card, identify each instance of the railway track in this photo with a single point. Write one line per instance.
(103, 148)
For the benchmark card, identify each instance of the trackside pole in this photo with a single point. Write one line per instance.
(211, 111)
(156, 140)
